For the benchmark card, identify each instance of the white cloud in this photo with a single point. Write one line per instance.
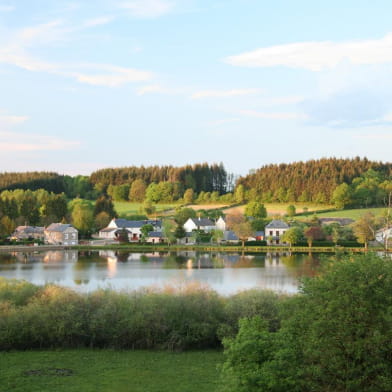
(16, 52)
(224, 93)
(158, 89)
(12, 142)
(113, 76)
(148, 8)
(316, 56)
(103, 20)
(273, 115)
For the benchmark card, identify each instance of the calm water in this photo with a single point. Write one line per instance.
(226, 273)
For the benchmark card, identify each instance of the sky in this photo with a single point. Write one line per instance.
(88, 84)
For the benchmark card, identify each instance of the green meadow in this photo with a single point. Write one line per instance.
(109, 371)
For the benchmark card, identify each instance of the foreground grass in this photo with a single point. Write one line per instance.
(107, 370)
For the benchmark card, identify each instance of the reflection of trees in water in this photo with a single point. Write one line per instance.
(7, 258)
(81, 281)
(301, 264)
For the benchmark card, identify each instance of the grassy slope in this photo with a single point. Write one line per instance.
(352, 214)
(281, 208)
(128, 208)
(108, 371)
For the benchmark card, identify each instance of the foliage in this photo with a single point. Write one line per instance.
(292, 235)
(365, 228)
(313, 233)
(255, 210)
(183, 214)
(291, 211)
(199, 177)
(312, 181)
(145, 229)
(179, 232)
(342, 196)
(335, 336)
(105, 204)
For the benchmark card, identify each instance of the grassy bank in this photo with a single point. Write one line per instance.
(108, 371)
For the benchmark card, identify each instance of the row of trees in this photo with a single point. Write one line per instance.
(199, 177)
(313, 181)
(41, 208)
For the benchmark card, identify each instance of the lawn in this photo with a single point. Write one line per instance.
(124, 208)
(281, 208)
(352, 214)
(109, 370)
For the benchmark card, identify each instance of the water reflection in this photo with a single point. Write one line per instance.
(226, 273)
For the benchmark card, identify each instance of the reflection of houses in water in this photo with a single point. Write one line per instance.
(273, 259)
(59, 256)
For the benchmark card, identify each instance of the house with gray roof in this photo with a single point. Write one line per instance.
(28, 233)
(61, 234)
(274, 231)
(132, 226)
(204, 224)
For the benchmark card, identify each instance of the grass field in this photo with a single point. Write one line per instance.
(352, 214)
(280, 208)
(109, 371)
(128, 208)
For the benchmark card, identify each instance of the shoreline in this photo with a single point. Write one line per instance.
(181, 248)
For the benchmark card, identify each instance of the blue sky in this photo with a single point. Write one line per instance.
(92, 84)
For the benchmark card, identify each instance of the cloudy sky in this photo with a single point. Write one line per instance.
(91, 84)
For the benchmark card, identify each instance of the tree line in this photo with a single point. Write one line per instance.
(311, 181)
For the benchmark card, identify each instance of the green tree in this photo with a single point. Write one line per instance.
(183, 214)
(216, 236)
(365, 228)
(102, 220)
(189, 196)
(292, 236)
(145, 229)
(168, 231)
(290, 210)
(83, 218)
(342, 196)
(179, 232)
(137, 192)
(148, 207)
(7, 226)
(104, 204)
(335, 336)
(256, 210)
(239, 194)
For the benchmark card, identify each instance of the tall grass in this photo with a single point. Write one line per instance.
(171, 319)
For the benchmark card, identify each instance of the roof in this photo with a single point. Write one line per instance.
(230, 236)
(277, 224)
(157, 234)
(29, 229)
(59, 227)
(124, 223)
(259, 234)
(200, 222)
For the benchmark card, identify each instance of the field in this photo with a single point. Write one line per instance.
(352, 214)
(108, 371)
(280, 208)
(127, 208)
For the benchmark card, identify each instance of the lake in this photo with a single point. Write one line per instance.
(226, 273)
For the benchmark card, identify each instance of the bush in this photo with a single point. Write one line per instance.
(335, 336)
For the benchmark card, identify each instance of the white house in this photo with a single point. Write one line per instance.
(61, 234)
(133, 228)
(221, 224)
(199, 224)
(274, 231)
(384, 235)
